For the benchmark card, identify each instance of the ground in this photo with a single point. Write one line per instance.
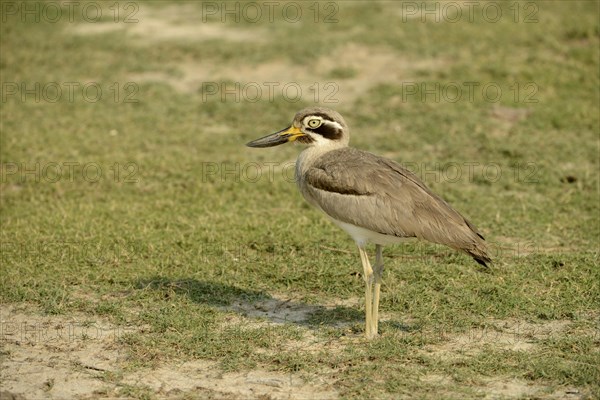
(147, 253)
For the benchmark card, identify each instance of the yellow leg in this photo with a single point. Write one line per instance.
(377, 272)
(368, 277)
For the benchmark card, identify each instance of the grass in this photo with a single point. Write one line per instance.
(177, 230)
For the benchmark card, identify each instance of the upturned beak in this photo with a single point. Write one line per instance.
(275, 139)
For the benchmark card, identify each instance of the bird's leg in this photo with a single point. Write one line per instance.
(377, 272)
(368, 277)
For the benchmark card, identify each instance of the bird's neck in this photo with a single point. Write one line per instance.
(315, 151)
(309, 155)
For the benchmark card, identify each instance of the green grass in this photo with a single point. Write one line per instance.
(160, 241)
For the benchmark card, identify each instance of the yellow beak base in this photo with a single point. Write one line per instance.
(275, 139)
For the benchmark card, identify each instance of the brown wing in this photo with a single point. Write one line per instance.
(392, 200)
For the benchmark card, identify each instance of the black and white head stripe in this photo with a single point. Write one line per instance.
(323, 125)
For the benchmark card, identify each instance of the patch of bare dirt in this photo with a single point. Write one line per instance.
(511, 335)
(506, 118)
(363, 67)
(173, 379)
(280, 309)
(370, 67)
(181, 22)
(276, 310)
(509, 388)
(504, 388)
(59, 357)
(56, 357)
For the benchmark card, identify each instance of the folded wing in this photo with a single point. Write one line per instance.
(392, 201)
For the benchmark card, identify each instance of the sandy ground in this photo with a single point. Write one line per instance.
(59, 357)
(369, 65)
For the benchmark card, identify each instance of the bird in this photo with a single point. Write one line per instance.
(374, 199)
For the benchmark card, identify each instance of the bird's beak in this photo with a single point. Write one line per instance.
(275, 139)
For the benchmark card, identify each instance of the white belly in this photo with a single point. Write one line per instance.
(362, 236)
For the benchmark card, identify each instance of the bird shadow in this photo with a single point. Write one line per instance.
(255, 304)
(201, 292)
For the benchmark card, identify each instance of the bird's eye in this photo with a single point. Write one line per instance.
(314, 123)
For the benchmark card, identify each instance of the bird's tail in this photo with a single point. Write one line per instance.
(482, 260)
(479, 251)
(477, 247)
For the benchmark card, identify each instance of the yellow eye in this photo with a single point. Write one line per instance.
(314, 123)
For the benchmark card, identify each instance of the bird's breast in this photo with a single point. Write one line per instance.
(305, 161)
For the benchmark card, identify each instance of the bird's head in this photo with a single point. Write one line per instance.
(314, 126)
